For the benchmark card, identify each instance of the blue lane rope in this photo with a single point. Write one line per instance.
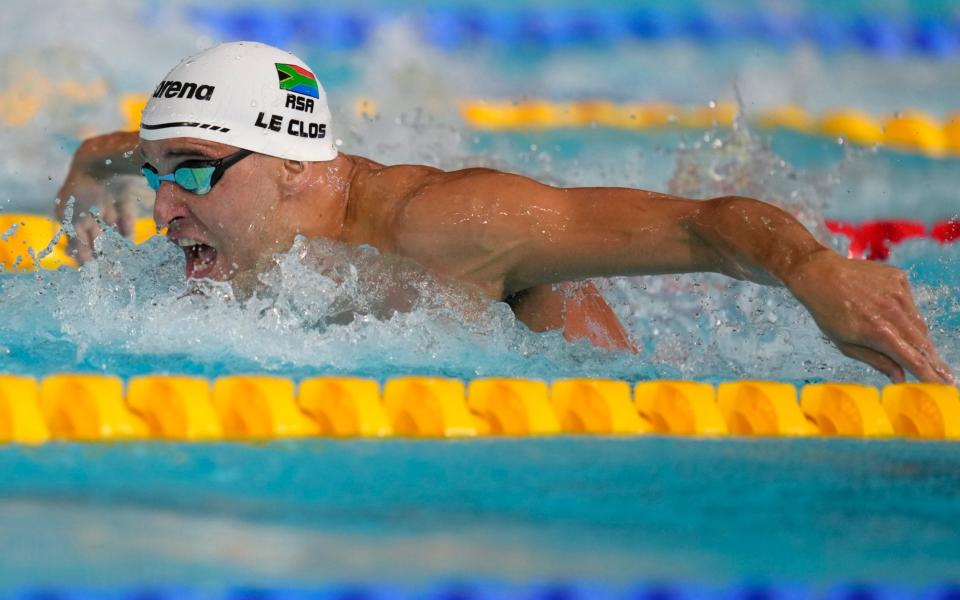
(492, 590)
(453, 28)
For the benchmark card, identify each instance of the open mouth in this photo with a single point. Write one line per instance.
(200, 257)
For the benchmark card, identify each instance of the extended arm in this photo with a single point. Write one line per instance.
(615, 231)
(509, 231)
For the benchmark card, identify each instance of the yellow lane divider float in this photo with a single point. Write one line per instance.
(429, 407)
(762, 408)
(29, 242)
(847, 409)
(597, 406)
(260, 407)
(909, 130)
(84, 408)
(76, 407)
(928, 411)
(680, 407)
(345, 406)
(513, 406)
(175, 407)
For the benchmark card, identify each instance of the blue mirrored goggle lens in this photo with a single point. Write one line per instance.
(194, 179)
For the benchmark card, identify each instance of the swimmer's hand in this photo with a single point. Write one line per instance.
(867, 310)
(99, 178)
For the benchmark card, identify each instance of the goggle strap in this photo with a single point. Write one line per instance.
(225, 163)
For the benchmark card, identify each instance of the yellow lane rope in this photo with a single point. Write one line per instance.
(82, 407)
(908, 130)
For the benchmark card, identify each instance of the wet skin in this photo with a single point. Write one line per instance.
(514, 238)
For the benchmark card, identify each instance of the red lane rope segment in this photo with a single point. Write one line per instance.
(874, 239)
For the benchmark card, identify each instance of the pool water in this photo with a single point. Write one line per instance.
(617, 510)
(707, 510)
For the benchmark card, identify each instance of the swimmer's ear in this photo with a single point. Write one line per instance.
(294, 174)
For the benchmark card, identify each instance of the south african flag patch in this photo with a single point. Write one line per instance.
(297, 80)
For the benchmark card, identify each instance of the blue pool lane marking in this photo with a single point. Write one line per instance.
(570, 589)
(453, 28)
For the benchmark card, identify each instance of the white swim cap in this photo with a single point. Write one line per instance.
(243, 94)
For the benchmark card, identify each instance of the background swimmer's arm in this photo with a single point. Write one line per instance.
(510, 231)
(92, 181)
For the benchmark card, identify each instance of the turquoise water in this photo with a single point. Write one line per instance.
(708, 510)
(810, 511)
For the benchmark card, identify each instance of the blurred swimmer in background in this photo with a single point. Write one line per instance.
(236, 143)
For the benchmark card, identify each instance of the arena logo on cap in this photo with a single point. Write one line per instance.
(298, 80)
(184, 89)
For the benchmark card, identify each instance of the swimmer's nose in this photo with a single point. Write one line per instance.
(169, 205)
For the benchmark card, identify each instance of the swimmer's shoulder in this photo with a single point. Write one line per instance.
(387, 182)
(399, 182)
(376, 194)
(379, 192)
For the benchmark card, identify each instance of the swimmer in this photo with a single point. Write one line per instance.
(236, 142)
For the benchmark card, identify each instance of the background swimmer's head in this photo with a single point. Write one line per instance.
(242, 95)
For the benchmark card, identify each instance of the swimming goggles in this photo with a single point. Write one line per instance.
(196, 176)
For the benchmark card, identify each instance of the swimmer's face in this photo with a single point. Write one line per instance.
(232, 229)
